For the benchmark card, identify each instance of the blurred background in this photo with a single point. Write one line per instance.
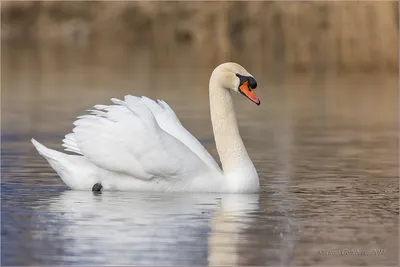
(324, 140)
(301, 36)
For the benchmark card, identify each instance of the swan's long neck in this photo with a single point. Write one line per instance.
(232, 152)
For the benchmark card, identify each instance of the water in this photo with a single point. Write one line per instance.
(325, 147)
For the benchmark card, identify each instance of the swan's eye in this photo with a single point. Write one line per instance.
(242, 78)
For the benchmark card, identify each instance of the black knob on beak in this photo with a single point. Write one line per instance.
(251, 80)
(252, 83)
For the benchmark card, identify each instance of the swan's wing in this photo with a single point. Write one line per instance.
(167, 120)
(126, 138)
(170, 123)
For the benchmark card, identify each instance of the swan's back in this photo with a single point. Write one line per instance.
(127, 138)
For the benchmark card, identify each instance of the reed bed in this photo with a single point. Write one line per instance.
(339, 35)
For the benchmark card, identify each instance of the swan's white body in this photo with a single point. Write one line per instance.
(140, 145)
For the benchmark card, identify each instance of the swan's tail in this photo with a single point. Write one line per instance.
(70, 168)
(57, 160)
(48, 153)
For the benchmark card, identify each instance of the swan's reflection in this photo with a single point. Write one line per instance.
(149, 229)
(228, 224)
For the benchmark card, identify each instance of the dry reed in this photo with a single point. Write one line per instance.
(291, 35)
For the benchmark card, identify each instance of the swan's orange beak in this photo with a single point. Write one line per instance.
(245, 90)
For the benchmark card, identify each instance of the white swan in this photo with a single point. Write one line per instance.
(140, 145)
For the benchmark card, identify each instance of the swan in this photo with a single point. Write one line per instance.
(138, 144)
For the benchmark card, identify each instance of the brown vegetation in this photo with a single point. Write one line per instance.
(292, 35)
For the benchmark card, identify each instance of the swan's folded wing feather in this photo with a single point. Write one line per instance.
(169, 122)
(126, 138)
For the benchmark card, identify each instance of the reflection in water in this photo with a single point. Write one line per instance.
(146, 229)
(325, 147)
(228, 228)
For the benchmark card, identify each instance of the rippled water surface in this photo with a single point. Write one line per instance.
(325, 147)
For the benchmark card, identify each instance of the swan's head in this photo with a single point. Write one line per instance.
(234, 77)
